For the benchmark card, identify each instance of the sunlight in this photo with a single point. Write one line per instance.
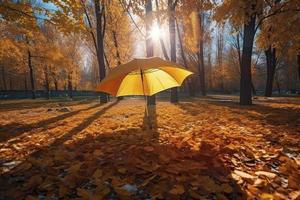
(156, 32)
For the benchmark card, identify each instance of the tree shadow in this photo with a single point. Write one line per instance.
(279, 121)
(276, 116)
(31, 104)
(16, 129)
(133, 157)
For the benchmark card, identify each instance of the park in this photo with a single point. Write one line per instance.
(150, 99)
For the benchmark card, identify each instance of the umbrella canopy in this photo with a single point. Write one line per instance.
(143, 76)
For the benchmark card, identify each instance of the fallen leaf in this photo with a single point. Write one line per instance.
(74, 168)
(177, 190)
(267, 174)
(97, 174)
(225, 187)
(34, 181)
(85, 194)
(194, 195)
(147, 180)
(30, 197)
(244, 175)
(97, 153)
(295, 195)
(266, 196)
(122, 170)
(149, 148)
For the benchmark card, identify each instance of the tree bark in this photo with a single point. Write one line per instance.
(248, 39)
(220, 47)
(201, 58)
(171, 8)
(3, 78)
(151, 100)
(10, 83)
(55, 85)
(25, 82)
(298, 60)
(114, 34)
(70, 86)
(31, 75)
(189, 82)
(99, 12)
(47, 86)
(271, 66)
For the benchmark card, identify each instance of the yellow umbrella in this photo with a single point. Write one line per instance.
(143, 76)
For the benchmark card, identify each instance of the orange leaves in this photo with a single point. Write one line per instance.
(195, 157)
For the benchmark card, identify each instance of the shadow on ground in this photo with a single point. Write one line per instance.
(123, 164)
(15, 129)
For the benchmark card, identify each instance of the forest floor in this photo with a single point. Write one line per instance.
(209, 148)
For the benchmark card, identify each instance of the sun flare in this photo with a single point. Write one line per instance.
(156, 32)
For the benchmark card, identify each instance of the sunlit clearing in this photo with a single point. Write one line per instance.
(156, 32)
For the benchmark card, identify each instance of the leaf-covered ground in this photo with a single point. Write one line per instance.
(199, 149)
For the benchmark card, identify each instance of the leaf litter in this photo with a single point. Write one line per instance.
(197, 150)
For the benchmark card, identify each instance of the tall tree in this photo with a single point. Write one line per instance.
(200, 54)
(151, 100)
(171, 9)
(100, 30)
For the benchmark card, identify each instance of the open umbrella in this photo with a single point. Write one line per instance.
(143, 76)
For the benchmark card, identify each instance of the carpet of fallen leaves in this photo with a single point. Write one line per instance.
(198, 149)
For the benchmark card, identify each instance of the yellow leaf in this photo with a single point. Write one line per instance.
(266, 196)
(267, 174)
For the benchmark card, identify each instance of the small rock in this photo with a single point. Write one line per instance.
(49, 109)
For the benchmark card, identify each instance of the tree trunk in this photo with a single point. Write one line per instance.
(171, 7)
(114, 34)
(245, 88)
(55, 84)
(298, 60)
(201, 58)
(149, 44)
(220, 47)
(100, 45)
(277, 83)
(10, 83)
(253, 88)
(70, 86)
(3, 78)
(31, 75)
(189, 81)
(47, 87)
(271, 65)
(25, 82)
